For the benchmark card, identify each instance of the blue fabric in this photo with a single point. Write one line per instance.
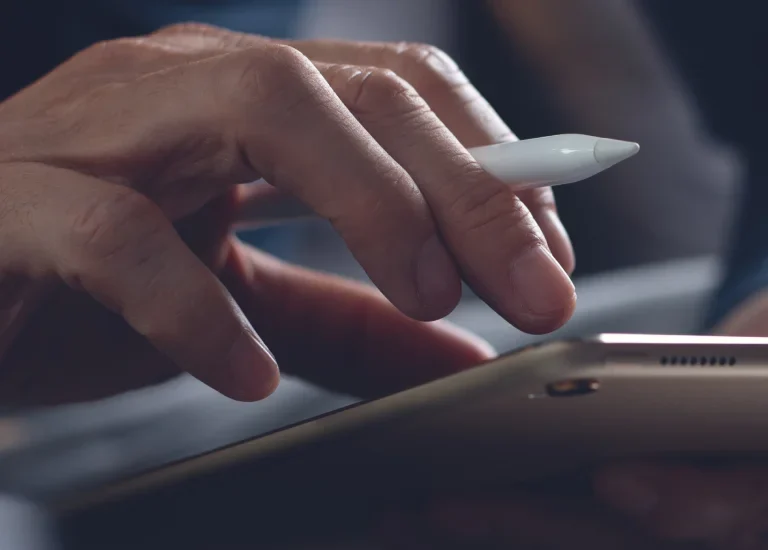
(737, 289)
(747, 263)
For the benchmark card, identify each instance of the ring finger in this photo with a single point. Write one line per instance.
(453, 98)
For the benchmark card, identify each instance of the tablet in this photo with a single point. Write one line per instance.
(539, 413)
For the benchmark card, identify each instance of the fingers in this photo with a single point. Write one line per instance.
(432, 73)
(340, 334)
(370, 199)
(455, 101)
(279, 117)
(184, 134)
(729, 507)
(541, 203)
(491, 233)
(117, 246)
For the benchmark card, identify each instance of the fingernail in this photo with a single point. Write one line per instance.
(541, 284)
(253, 368)
(628, 493)
(437, 280)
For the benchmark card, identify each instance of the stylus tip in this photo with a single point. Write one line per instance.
(611, 151)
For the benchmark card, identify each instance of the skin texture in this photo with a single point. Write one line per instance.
(119, 176)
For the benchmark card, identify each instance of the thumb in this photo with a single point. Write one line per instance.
(351, 338)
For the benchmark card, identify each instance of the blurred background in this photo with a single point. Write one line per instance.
(651, 235)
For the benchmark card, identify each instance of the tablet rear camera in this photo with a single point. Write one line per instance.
(573, 388)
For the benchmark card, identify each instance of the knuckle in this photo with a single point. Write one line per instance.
(419, 53)
(277, 61)
(188, 27)
(106, 227)
(426, 59)
(271, 73)
(96, 49)
(108, 49)
(284, 63)
(375, 90)
(125, 43)
(426, 65)
(113, 54)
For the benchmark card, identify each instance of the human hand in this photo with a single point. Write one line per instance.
(117, 175)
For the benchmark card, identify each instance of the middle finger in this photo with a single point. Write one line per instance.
(495, 240)
(453, 98)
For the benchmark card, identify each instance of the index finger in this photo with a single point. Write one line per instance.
(460, 106)
(500, 250)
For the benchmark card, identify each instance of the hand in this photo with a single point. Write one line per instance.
(117, 175)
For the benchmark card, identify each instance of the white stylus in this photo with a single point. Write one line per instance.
(553, 160)
(526, 164)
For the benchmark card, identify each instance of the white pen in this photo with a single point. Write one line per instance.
(527, 164)
(552, 160)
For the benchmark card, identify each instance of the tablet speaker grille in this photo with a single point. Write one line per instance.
(687, 360)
